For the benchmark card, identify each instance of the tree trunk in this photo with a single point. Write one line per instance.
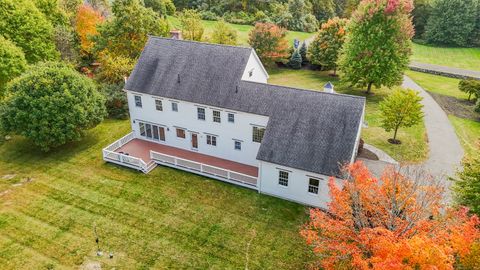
(369, 87)
(469, 96)
(395, 134)
(334, 71)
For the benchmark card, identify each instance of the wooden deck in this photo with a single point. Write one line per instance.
(141, 149)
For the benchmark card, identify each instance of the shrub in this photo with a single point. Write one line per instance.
(471, 87)
(224, 34)
(239, 18)
(191, 23)
(208, 15)
(115, 100)
(162, 7)
(12, 62)
(51, 104)
(295, 61)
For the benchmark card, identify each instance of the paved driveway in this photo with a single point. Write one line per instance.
(446, 153)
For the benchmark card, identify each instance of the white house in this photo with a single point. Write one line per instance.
(208, 109)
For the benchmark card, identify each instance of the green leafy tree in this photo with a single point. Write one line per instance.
(162, 7)
(296, 60)
(466, 186)
(12, 62)
(224, 34)
(420, 14)
(471, 87)
(302, 18)
(402, 108)
(51, 104)
(52, 11)
(350, 7)
(23, 24)
(303, 53)
(451, 22)
(191, 24)
(115, 100)
(127, 32)
(67, 44)
(323, 9)
(114, 69)
(378, 44)
(327, 44)
(269, 42)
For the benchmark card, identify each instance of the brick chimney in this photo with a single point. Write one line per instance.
(176, 34)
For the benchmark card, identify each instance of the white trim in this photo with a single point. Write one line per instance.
(261, 64)
(357, 140)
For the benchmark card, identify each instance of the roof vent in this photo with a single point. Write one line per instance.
(236, 89)
(178, 78)
(176, 34)
(328, 88)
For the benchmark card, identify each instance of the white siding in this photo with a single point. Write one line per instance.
(258, 72)
(298, 182)
(186, 118)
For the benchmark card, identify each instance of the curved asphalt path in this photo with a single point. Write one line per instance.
(446, 153)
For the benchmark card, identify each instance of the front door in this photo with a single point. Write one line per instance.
(194, 140)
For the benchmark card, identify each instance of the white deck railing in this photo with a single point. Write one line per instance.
(109, 154)
(225, 174)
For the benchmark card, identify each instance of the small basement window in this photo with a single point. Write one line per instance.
(174, 106)
(138, 101)
(200, 113)
(231, 118)
(216, 116)
(212, 140)
(180, 133)
(238, 145)
(158, 105)
(257, 134)
(313, 185)
(283, 178)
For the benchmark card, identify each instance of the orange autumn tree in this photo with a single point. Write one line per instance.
(269, 42)
(86, 26)
(395, 222)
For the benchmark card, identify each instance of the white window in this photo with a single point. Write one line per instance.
(180, 133)
(142, 128)
(313, 185)
(283, 178)
(257, 134)
(231, 118)
(212, 140)
(216, 116)
(138, 101)
(200, 113)
(158, 105)
(174, 106)
(238, 145)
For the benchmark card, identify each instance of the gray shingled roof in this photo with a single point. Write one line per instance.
(308, 130)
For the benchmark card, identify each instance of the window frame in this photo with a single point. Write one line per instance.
(157, 103)
(201, 114)
(215, 118)
(258, 133)
(211, 140)
(138, 101)
(174, 106)
(235, 142)
(312, 188)
(231, 117)
(283, 177)
(181, 130)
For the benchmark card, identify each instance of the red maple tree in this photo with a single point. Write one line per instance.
(86, 26)
(394, 222)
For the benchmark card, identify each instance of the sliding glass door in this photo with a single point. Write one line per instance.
(152, 132)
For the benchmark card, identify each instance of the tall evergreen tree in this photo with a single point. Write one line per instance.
(451, 22)
(303, 53)
(378, 45)
(296, 60)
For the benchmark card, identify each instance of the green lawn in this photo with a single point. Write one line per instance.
(414, 146)
(437, 84)
(167, 219)
(468, 131)
(242, 31)
(465, 58)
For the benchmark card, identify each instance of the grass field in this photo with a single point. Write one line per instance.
(468, 132)
(167, 219)
(414, 147)
(242, 31)
(437, 84)
(464, 58)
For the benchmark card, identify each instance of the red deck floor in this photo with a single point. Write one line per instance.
(141, 149)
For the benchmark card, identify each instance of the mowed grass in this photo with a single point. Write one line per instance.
(168, 219)
(414, 147)
(242, 31)
(468, 131)
(437, 84)
(464, 58)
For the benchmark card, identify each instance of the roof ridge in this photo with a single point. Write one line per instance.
(201, 42)
(307, 90)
